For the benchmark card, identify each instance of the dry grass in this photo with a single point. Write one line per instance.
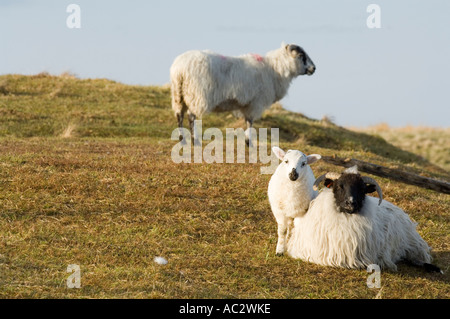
(429, 142)
(110, 200)
(69, 131)
(111, 206)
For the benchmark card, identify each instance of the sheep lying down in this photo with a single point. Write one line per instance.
(342, 230)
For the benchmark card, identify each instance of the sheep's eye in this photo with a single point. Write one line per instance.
(303, 164)
(286, 161)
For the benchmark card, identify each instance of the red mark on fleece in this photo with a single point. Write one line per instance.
(257, 57)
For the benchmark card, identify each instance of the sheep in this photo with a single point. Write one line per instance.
(204, 81)
(345, 228)
(290, 190)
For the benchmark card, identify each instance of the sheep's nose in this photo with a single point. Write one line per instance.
(349, 202)
(293, 175)
(311, 70)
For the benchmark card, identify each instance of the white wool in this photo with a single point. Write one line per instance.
(160, 260)
(381, 235)
(289, 199)
(352, 170)
(203, 81)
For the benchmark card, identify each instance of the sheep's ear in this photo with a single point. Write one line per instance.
(313, 158)
(352, 170)
(328, 183)
(370, 188)
(278, 152)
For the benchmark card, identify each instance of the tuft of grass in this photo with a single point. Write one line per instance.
(86, 178)
(69, 131)
(4, 86)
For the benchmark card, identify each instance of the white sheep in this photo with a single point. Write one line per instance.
(290, 190)
(203, 81)
(345, 228)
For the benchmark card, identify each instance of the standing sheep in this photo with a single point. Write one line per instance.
(203, 81)
(345, 228)
(290, 190)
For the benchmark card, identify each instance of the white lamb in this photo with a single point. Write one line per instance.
(345, 228)
(203, 81)
(290, 190)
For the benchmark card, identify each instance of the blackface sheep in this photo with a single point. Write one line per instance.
(203, 81)
(290, 190)
(345, 228)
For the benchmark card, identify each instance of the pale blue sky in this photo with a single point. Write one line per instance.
(398, 74)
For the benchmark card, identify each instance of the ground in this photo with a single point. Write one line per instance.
(86, 178)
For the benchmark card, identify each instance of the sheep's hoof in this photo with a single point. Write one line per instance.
(279, 254)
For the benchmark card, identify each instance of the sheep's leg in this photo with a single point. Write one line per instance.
(248, 133)
(191, 118)
(282, 232)
(180, 116)
(290, 223)
(426, 266)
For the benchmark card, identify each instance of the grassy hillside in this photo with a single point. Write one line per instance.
(428, 142)
(86, 178)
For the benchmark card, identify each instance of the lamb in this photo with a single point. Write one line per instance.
(203, 81)
(345, 228)
(290, 190)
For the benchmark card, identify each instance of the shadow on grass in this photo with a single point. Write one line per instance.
(335, 137)
(146, 112)
(440, 259)
(296, 128)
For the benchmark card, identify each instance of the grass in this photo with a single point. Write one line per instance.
(86, 178)
(429, 142)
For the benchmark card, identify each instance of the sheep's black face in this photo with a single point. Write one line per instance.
(349, 192)
(306, 65)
